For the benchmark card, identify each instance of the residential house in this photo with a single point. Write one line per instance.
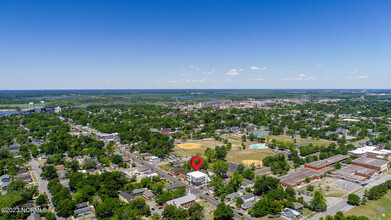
(83, 211)
(60, 167)
(176, 171)
(248, 197)
(247, 183)
(290, 213)
(233, 195)
(148, 194)
(172, 187)
(5, 178)
(5, 185)
(101, 169)
(138, 192)
(114, 166)
(247, 205)
(26, 179)
(126, 197)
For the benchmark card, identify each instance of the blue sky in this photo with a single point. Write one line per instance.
(195, 44)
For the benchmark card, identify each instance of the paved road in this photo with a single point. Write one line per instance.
(211, 200)
(43, 185)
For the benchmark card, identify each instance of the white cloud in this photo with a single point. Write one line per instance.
(304, 77)
(320, 65)
(257, 68)
(210, 72)
(184, 74)
(258, 79)
(354, 71)
(175, 81)
(358, 77)
(194, 67)
(195, 81)
(155, 81)
(233, 72)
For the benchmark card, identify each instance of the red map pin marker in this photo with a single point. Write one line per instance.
(195, 165)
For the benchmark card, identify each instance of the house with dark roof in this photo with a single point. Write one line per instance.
(81, 205)
(83, 211)
(248, 197)
(26, 179)
(126, 197)
(172, 187)
(5, 185)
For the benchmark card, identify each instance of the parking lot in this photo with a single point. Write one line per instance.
(345, 185)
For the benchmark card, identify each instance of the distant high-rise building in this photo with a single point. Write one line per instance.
(43, 104)
(31, 105)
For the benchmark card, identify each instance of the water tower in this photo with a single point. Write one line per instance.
(43, 104)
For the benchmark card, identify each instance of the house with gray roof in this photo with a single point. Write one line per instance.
(138, 192)
(247, 205)
(148, 194)
(233, 195)
(172, 187)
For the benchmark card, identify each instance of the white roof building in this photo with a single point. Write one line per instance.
(197, 178)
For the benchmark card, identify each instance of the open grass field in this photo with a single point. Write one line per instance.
(370, 209)
(298, 139)
(236, 154)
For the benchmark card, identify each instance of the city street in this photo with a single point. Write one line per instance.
(43, 185)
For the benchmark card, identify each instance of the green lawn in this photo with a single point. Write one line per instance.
(369, 210)
(298, 139)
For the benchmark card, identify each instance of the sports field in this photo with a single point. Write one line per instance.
(237, 154)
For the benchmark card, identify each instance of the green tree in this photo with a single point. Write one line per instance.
(310, 187)
(220, 167)
(41, 200)
(223, 212)
(50, 172)
(354, 199)
(239, 202)
(196, 212)
(318, 203)
(338, 165)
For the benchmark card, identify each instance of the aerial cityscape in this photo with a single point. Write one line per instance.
(195, 110)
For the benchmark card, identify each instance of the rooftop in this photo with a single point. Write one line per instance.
(370, 161)
(197, 174)
(328, 161)
(182, 200)
(300, 174)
